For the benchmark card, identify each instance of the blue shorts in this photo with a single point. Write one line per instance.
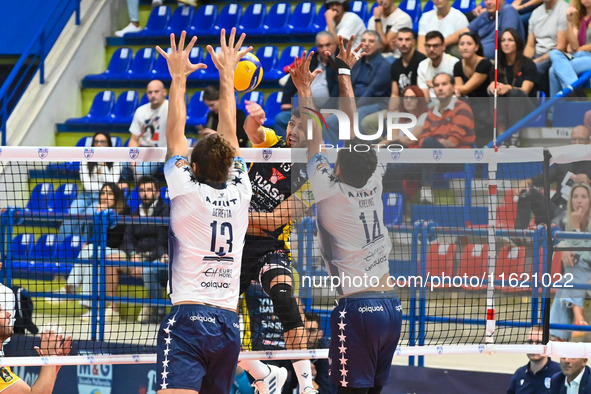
(197, 349)
(365, 333)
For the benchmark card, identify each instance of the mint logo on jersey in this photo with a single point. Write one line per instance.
(88, 153)
(267, 153)
(42, 152)
(134, 153)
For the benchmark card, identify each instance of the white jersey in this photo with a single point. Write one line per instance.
(354, 242)
(149, 125)
(206, 237)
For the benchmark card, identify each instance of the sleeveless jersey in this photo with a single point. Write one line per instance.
(354, 242)
(206, 235)
(7, 378)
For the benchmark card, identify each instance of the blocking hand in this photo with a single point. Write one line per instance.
(178, 61)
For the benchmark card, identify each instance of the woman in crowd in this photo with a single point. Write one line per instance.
(567, 67)
(111, 198)
(472, 73)
(568, 304)
(517, 78)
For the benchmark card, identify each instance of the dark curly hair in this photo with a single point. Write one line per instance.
(356, 166)
(213, 156)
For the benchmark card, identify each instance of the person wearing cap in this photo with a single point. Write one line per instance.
(341, 22)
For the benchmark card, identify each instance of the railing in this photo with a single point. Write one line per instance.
(33, 58)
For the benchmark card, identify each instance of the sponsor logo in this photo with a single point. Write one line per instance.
(439, 349)
(134, 153)
(478, 154)
(480, 348)
(95, 379)
(88, 153)
(547, 382)
(267, 153)
(203, 319)
(395, 155)
(219, 272)
(43, 152)
(181, 163)
(215, 285)
(5, 375)
(437, 154)
(276, 177)
(370, 309)
(269, 354)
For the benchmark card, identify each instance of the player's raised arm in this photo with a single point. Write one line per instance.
(226, 61)
(179, 67)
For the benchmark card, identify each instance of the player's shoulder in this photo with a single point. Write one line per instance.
(7, 378)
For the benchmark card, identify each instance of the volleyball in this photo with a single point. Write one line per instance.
(248, 74)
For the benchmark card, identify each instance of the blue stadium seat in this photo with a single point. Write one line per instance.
(287, 57)
(160, 69)
(70, 248)
(464, 5)
(412, 8)
(41, 198)
(320, 22)
(569, 113)
(196, 56)
(228, 18)
(277, 18)
(393, 209)
(197, 110)
(22, 246)
(204, 20)
(64, 196)
(359, 7)
(118, 66)
(144, 99)
(99, 112)
(302, 19)
(157, 23)
(142, 64)
(272, 107)
(181, 20)
(87, 141)
(124, 108)
(134, 199)
(251, 22)
(255, 97)
(46, 247)
(211, 72)
(268, 56)
(164, 195)
(428, 6)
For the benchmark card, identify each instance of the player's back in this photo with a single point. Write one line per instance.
(206, 236)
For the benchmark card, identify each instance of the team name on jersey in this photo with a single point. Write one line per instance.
(363, 193)
(222, 203)
(267, 186)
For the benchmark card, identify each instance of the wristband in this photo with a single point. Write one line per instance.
(376, 20)
(338, 65)
(344, 71)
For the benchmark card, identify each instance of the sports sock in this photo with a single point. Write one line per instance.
(255, 368)
(303, 371)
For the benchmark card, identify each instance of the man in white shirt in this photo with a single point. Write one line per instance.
(341, 22)
(573, 379)
(387, 19)
(443, 18)
(547, 30)
(437, 62)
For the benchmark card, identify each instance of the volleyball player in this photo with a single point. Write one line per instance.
(199, 341)
(354, 243)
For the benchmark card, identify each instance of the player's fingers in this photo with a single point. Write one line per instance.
(182, 41)
(172, 43)
(191, 43)
(316, 72)
(39, 351)
(223, 42)
(200, 66)
(244, 52)
(232, 38)
(241, 40)
(162, 52)
(350, 44)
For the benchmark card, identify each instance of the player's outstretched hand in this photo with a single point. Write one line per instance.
(54, 344)
(178, 61)
(255, 112)
(348, 55)
(301, 75)
(230, 53)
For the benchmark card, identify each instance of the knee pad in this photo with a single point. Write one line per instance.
(285, 306)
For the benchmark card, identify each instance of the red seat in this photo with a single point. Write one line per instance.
(510, 269)
(474, 265)
(507, 211)
(441, 259)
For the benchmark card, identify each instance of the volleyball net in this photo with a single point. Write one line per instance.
(474, 269)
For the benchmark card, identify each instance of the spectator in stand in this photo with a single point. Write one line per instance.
(317, 340)
(569, 303)
(387, 20)
(534, 378)
(341, 22)
(437, 62)
(133, 9)
(516, 81)
(211, 98)
(413, 102)
(111, 198)
(574, 378)
(93, 175)
(148, 127)
(531, 200)
(444, 19)
(148, 242)
(547, 30)
(404, 69)
(567, 67)
(325, 84)
(472, 73)
(484, 25)
(525, 11)
(449, 124)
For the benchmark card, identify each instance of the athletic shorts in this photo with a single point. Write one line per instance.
(365, 333)
(261, 255)
(197, 349)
